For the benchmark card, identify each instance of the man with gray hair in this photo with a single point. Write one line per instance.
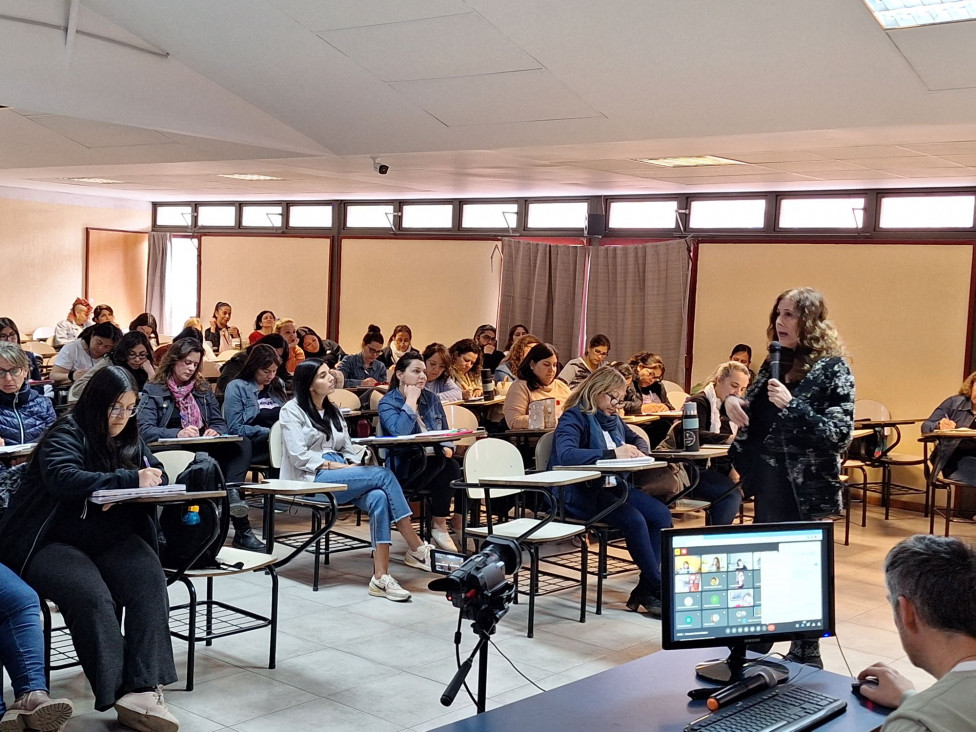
(931, 583)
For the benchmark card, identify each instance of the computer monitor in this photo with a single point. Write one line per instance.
(746, 584)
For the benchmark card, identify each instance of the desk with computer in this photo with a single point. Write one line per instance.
(723, 586)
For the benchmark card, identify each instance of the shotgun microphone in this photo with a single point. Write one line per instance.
(759, 679)
(775, 350)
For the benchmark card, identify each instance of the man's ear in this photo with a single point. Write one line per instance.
(909, 617)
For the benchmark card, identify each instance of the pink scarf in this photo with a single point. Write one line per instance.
(189, 409)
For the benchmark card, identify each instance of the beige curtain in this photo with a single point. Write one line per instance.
(638, 297)
(160, 244)
(542, 287)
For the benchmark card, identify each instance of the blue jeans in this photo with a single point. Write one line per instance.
(21, 637)
(712, 485)
(374, 490)
(640, 519)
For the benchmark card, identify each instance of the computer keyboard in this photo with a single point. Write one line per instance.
(783, 709)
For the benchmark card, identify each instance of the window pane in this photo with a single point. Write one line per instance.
(557, 215)
(821, 213)
(927, 212)
(181, 284)
(310, 216)
(173, 216)
(216, 215)
(369, 217)
(269, 216)
(489, 215)
(642, 214)
(427, 216)
(736, 214)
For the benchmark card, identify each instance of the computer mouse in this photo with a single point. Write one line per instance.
(856, 685)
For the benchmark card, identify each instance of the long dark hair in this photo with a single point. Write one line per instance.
(104, 389)
(190, 332)
(262, 356)
(331, 417)
(146, 320)
(538, 352)
(9, 323)
(304, 331)
(401, 365)
(511, 335)
(439, 349)
(257, 320)
(130, 340)
(102, 330)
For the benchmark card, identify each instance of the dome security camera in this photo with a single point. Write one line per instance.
(380, 168)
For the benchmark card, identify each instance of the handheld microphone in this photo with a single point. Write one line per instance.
(759, 679)
(775, 350)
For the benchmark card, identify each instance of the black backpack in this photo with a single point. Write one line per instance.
(179, 542)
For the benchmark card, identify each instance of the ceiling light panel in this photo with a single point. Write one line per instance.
(912, 13)
(248, 176)
(690, 162)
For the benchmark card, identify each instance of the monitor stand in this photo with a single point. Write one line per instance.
(731, 669)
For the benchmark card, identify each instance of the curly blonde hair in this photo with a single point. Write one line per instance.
(817, 337)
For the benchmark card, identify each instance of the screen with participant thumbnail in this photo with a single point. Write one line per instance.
(725, 583)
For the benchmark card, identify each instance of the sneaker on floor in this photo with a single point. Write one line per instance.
(389, 588)
(443, 540)
(37, 711)
(145, 711)
(419, 558)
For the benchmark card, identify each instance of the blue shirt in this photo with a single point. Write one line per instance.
(355, 372)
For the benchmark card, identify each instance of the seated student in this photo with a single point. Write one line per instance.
(230, 370)
(285, 327)
(438, 364)
(10, 333)
(132, 353)
(398, 345)
(79, 318)
(578, 369)
(315, 346)
(145, 323)
(317, 447)
(536, 380)
(514, 333)
(253, 399)
(955, 458)
(466, 367)
(24, 414)
(365, 368)
(743, 354)
(22, 657)
(221, 335)
(82, 353)
(407, 409)
(486, 339)
(508, 369)
(590, 430)
(632, 402)
(264, 325)
(103, 314)
(178, 402)
(96, 565)
(714, 428)
(192, 328)
(650, 373)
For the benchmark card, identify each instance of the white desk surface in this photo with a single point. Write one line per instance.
(278, 487)
(547, 478)
(614, 468)
(201, 440)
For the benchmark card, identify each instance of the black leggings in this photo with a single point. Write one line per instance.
(435, 480)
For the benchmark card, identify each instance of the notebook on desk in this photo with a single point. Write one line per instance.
(114, 496)
(625, 462)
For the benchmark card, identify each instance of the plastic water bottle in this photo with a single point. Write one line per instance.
(192, 516)
(689, 427)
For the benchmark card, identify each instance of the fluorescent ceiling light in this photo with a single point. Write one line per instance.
(693, 162)
(248, 176)
(93, 180)
(911, 13)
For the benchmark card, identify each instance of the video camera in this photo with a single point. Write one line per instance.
(478, 587)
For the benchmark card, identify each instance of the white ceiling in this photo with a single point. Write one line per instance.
(466, 98)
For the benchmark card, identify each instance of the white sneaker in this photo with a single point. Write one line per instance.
(389, 588)
(443, 540)
(419, 558)
(145, 711)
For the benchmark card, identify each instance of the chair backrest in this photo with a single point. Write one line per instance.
(43, 333)
(344, 399)
(210, 369)
(640, 432)
(677, 398)
(174, 461)
(492, 457)
(670, 386)
(374, 399)
(459, 418)
(39, 347)
(543, 451)
(226, 355)
(276, 448)
(870, 409)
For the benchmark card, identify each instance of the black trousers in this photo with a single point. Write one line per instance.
(234, 458)
(435, 480)
(775, 498)
(90, 589)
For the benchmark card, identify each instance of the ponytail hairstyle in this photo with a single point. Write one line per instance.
(331, 417)
(725, 370)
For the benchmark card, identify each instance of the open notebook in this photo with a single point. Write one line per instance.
(114, 496)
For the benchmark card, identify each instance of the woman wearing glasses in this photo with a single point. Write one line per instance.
(99, 565)
(132, 352)
(10, 333)
(649, 385)
(178, 402)
(591, 430)
(365, 368)
(24, 414)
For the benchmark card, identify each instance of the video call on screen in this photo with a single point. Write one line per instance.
(724, 591)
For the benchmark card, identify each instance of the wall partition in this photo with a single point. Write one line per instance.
(115, 271)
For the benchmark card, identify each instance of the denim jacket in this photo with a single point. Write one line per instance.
(355, 372)
(397, 418)
(241, 407)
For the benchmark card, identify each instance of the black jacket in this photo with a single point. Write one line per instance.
(156, 407)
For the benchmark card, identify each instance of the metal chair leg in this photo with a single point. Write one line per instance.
(533, 585)
(584, 571)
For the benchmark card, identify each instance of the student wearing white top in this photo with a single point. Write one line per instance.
(82, 353)
(597, 350)
(317, 447)
(931, 582)
(78, 319)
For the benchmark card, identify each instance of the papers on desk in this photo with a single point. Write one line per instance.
(27, 447)
(195, 437)
(625, 462)
(959, 431)
(435, 434)
(114, 496)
